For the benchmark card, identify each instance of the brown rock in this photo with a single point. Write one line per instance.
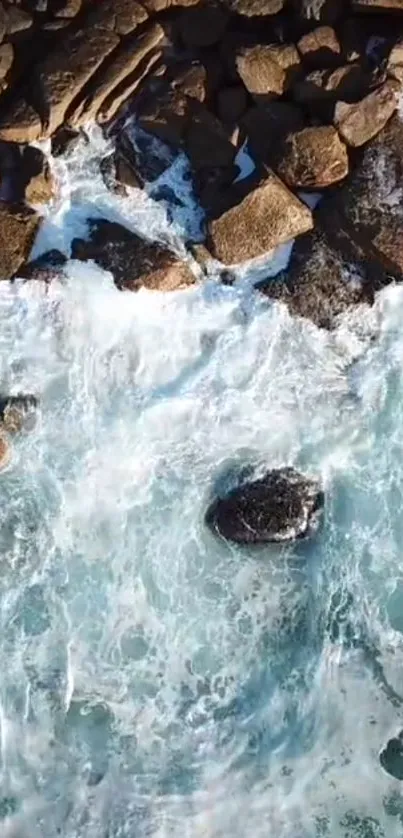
(267, 216)
(18, 228)
(202, 25)
(190, 80)
(156, 6)
(45, 268)
(256, 8)
(395, 62)
(232, 103)
(267, 71)
(360, 122)
(166, 116)
(133, 262)
(36, 174)
(3, 23)
(267, 127)
(370, 202)
(117, 100)
(320, 90)
(5, 452)
(320, 48)
(17, 20)
(6, 59)
(120, 16)
(313, 158)
(378, 5)
(20, 123)
(68, 8)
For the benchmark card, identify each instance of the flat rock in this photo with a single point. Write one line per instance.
(18, 228)
(359, 122)
(370, 203)
(320, 48)
(133, 262)
(267, 216)
(313, 158)
(282, 506)
(268, 71)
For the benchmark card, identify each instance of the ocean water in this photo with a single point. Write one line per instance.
(154, 680)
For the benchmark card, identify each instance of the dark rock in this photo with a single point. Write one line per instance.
(391, 758)
(190, 80)
(232, 103)
(6, 59)
(322, 11)
(206, 142)
(17, 20)
(133, 262)
(166, 116)
(202, 25)
(268, 71)
(378, 5)
(45, 268)
(267, 127)
(320, 90)
(320, 48)
(313, 158)
(359, 122)
(64, 140)
(266, 215)
(279, 507)
(68, 8)
(18, 228)
(256, 8)
(212, 185)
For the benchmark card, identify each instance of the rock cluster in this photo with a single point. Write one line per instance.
(310, 89)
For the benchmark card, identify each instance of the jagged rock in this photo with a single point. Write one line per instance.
(190, 80)
(370, 203)
(378, 5)
(133, 262)
(6, 59)
(17, 20)
(282, 506)
(329, 273)
(268, 215)
(36, 176)
(391, 757)
(18, 228)
(320, 48)
(232, 103)
(313, 158)
(256, 8)
(202, 25)
(166, 116)
(45, 268)
(64, 140)
(359, 122)
(112, 75)
(20, 123)
(267, 127)
(395, 62)
(268, 71)
(320, 90)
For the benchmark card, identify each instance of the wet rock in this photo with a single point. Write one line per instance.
(36, 176)
(391, 758)
(45, 268)
(370, 201)
(64, 140)
(256, 8)
(268, 215)
(133, 262)
(313, 158)
(395, 62)
(17, 413)
(18, 228)
(202, 25)
(328, 274)
(268, 71)
(320, 48)
(232, 103)
(5, 452)
(360, 122)
(284, 505)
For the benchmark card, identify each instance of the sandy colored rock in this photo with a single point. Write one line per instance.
(37, 177)
(18, 228)
(378, 5)
(313, 158)
(5, 452)
(133, 262)
(267, 71)
(267, 216)
(20, 123)
(17, 20)
(6, 59)
(320, 48)
(359, 122)
(68, 8)
(116, 100)
(395, 62)
(256, 8)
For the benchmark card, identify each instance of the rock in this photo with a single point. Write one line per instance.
(190, 80)
(267, 71)
(370, 201)
(133, 262)
(206, 142)
(328, 274)
(6, 59)
(5, 452)
(323, 11)
(68, 8)
(391, 758)
(156, 6)
(232, 103)
(267, 216)
(117, 99)
(36, 176)
(360, 122)
(320, 48)
(267, 127)
(395, 62)
(202, 25)
(378, 5)
(320, 90)
(18, 228)
(45, 268)
(282, 506)
(17, 20)
(313, 158)
(256, 8)
(3, 23)
(166, 116)
(17, 413)
(64, 140)
(19, 123)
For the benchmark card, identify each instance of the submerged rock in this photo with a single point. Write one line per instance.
(284, 505)
(391, 758)
(17, 413)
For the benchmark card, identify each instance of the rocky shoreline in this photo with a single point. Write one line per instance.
(312, 89)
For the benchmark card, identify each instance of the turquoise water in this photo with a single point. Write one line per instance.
(154, 680)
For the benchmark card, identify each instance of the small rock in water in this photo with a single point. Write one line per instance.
(284, 505)
(17, 413)
(391, 758)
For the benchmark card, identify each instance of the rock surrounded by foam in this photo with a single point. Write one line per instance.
(284, 505)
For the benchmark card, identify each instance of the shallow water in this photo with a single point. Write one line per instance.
(156, 681)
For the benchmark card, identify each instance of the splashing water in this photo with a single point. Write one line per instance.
(156, 681)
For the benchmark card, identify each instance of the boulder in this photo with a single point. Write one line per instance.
(370, 202)
(359, 122)
(68, 8)
(265, 216)
(190, 79)
(18, 228)
(206, 142)
(268, 71)
(20, 123)
(133, 262)
(6, 60)
(320, 90)
(45, 268)
(320, 48)
(267, 127)
(391, 757)
(313, 158)
(166, 116)
(17, 20)
(37, 180)
(202, 25)
(282, 506)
